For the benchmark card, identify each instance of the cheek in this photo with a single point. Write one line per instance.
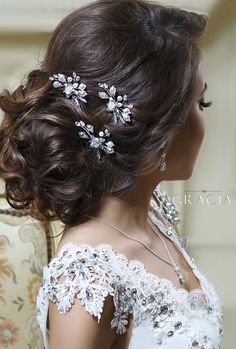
(194, 133)
(184, 150)
(196, 127)
(191, 137)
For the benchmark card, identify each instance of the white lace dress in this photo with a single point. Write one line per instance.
(165, 317)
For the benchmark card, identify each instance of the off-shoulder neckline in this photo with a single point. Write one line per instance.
(129, 261)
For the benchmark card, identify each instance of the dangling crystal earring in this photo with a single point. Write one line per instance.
(162, 163)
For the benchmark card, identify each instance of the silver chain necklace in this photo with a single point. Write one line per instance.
(172, 263)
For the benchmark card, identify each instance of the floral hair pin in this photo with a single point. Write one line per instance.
(70, 86)
(99, 143)
(119, 106)
(74, 89)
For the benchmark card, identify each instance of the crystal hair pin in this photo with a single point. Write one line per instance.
(70, 86)
(99, 143)
(119, 105)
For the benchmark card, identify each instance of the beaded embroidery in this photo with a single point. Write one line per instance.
(91, 273)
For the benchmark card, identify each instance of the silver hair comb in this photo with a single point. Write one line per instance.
(70, 86)
(99, 143)
(119, 106)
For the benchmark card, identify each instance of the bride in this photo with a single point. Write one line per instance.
(116, 108)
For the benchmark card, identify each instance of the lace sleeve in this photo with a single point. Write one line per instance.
(89, 274)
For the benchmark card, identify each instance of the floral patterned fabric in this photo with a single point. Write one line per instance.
(164, 316)
(23, 252)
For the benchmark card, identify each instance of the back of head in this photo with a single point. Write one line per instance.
(149, 52)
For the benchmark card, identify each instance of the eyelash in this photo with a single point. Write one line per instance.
(203, 105)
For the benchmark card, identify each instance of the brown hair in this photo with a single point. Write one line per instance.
(149, 52)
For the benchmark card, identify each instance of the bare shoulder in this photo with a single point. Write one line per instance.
(88, 233)
(91, 233)
(94, 234)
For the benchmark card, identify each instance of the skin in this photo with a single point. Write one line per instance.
(78, 329)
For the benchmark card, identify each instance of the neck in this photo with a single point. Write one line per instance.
(129, 211)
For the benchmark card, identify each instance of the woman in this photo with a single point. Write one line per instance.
(115, 109)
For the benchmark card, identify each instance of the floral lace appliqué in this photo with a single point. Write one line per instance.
(90, 274)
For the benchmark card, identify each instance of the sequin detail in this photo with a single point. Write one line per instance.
(92, 273)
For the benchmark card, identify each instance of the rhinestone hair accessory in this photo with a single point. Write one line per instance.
(99, 143)
(70, 86)
(117, 105)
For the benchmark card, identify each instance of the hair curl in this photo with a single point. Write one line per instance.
(149, 52)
